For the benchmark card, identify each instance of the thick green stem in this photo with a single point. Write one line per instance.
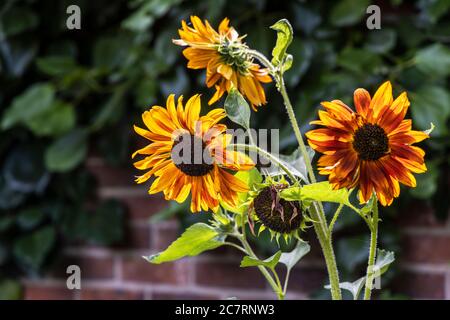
(328, 253)
(372, 251)
(317, 212)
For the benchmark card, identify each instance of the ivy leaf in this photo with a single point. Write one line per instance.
(67, 152)
(237, 109)
(427, 57)
(196, 239)
(284, 39)
(56, 65)
(348, 12)
(34, 101)
(57, 119)
(268, 263)
(430, 105)
(32, 249)
(320, 191)
(290, 259)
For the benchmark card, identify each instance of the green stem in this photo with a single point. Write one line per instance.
(268, 156)
(275, 287)
(328, 253)
(296, 128)
(334, 219)
(317, 212)
(372, 251)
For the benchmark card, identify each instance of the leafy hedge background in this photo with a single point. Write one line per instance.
(64, 92)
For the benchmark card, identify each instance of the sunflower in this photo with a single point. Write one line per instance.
(371, 148)
(188, 154)
(225, 58)
(279, 216)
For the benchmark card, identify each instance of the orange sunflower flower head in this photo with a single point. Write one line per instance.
(371, 148)
(225, 58)
(188, 154)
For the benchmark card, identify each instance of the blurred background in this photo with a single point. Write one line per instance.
(69, 99)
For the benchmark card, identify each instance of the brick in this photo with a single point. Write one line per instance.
(307, 280)
(139, 270)
(421, 285)
(419, 214)
(38, 291)
(110, 294)
(426, 248)
(143, 206)
(164, 234)
(91, 267)
(138, 236)
(110, 176)
(183, 295)
(228, 274)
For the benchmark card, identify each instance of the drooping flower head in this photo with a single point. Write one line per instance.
(224, 56)
(371, 148)
(282, 218)
(188, 155)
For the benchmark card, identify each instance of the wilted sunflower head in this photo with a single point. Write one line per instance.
(371, 148)
(225, 58)
(279, 216)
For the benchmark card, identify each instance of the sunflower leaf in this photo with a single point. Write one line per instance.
(290, 259)
(196, 239)
(382, 263)
(284, 39)
(354, 287)
(270, 263)
(321, 191)
(432, 126)
(237, 109)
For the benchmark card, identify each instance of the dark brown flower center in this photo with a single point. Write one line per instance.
(275, 213)
(371, 142)
(188, 155)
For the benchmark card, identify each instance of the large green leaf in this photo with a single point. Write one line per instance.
(67, 152)
(270, 263)
(320, 191)
(237, 108)
(434, 60)
(290, 259)
(36, 100)
(284, 39)
(196, 239)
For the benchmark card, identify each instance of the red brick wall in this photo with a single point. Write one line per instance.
(121, 273)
